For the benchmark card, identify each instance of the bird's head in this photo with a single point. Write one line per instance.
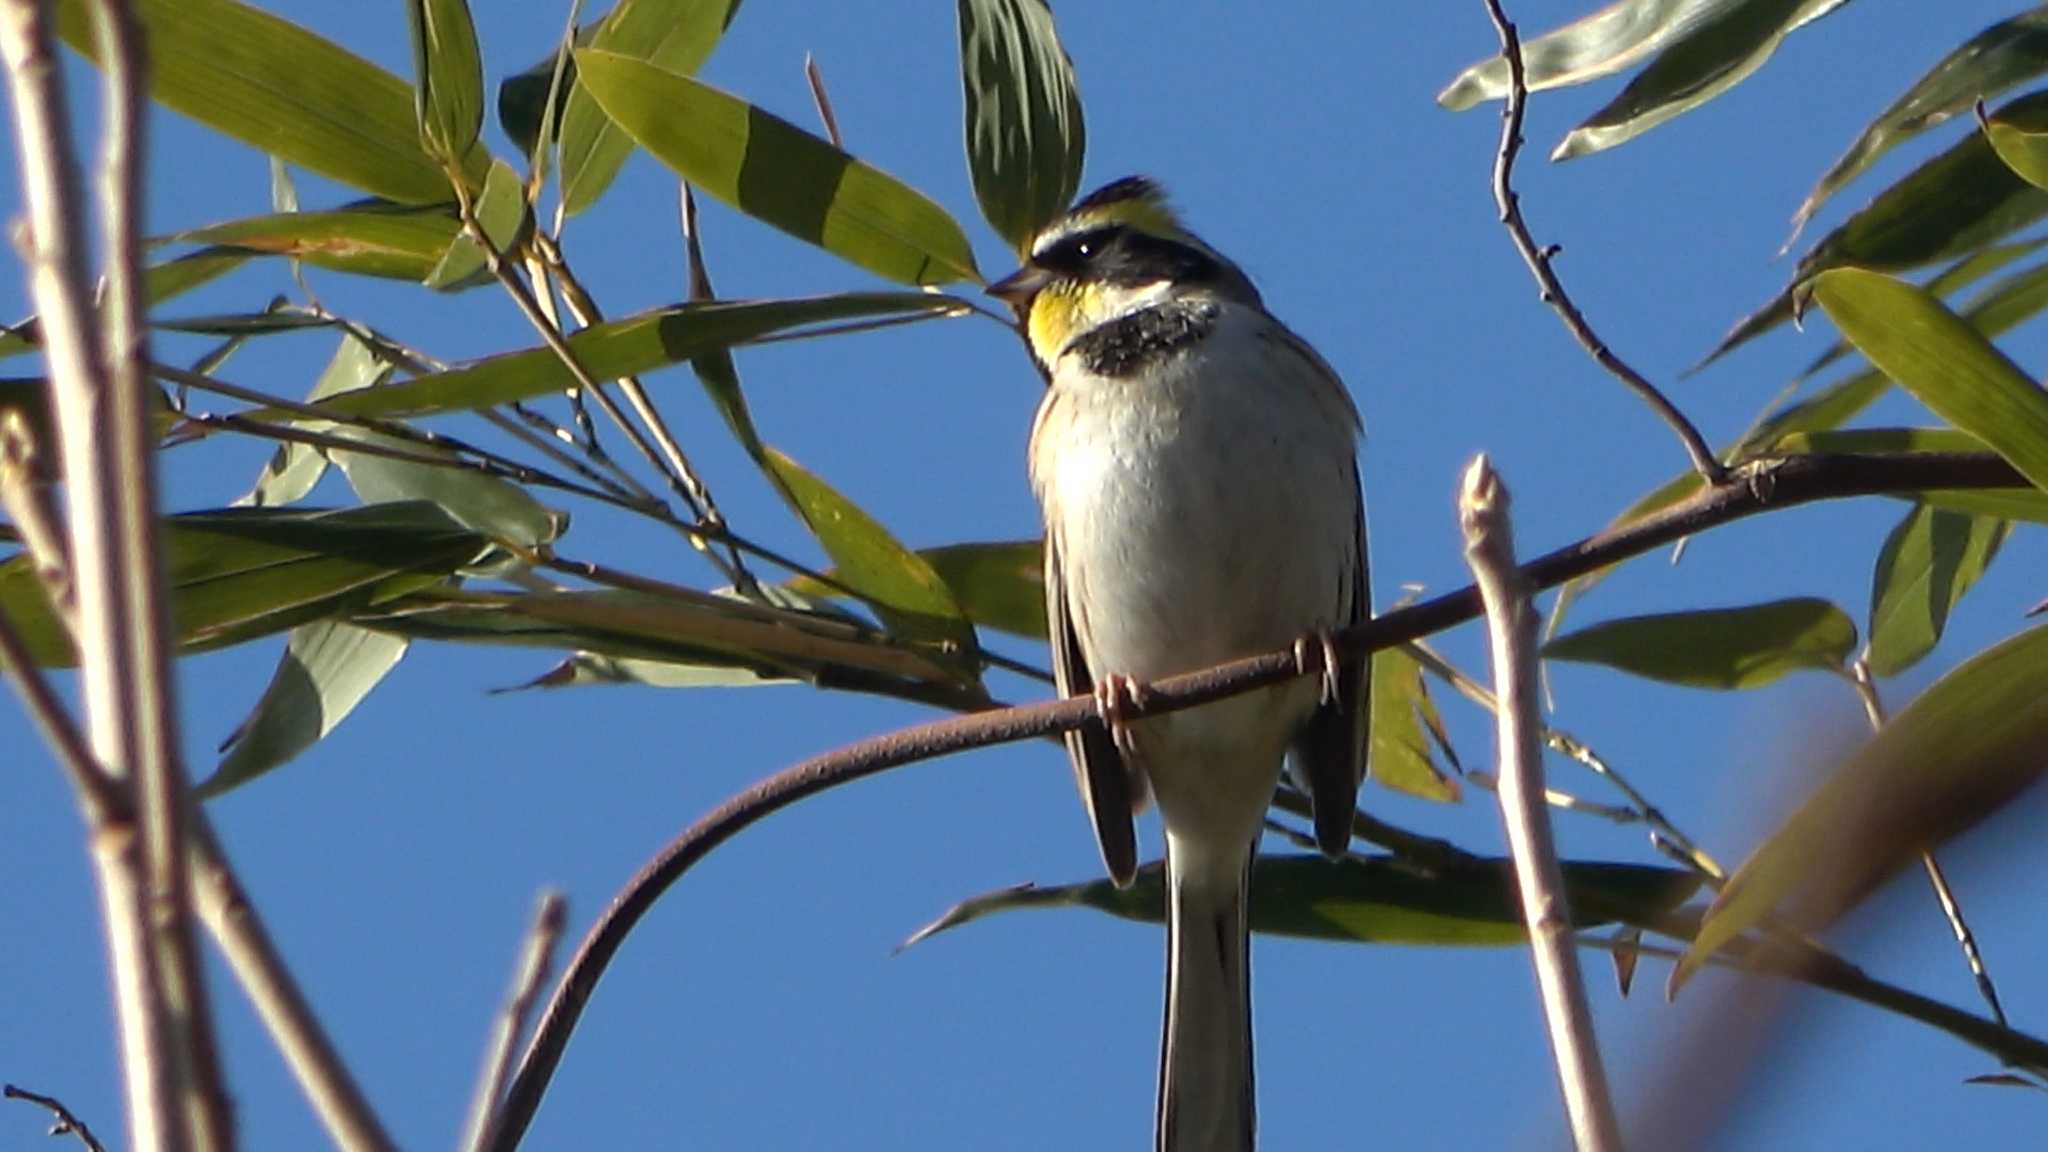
(1119, 249)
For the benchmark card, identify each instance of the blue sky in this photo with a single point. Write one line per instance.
(760, 1005)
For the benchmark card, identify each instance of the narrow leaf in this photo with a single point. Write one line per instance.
(1928, 561)
(1985, 65)
(997, 585)
(1722, 53)
(1025, 134)
(1610, 40)
(448, 72)
(634, 345)
(1373, 900)
(675, 35)
(501, 209)
(906, 593)
(294, 469)
(776, 172)
(1942, 361)
(1744, 647)
(280, 89)
(1403, 717)
(370, 239)
(1960, 752)
(327, 669)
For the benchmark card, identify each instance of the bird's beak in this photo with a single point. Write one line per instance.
(1019, 287)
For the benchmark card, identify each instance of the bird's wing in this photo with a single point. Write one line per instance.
(1098, 766)
(1331, 749)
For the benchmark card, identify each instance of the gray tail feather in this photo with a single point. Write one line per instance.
(1206, 1101)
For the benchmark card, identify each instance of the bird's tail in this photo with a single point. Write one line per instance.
(1206, 1102)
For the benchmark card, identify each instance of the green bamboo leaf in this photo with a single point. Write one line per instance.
(160, 282)
(1404, 720)
(1950, 206)
(778, 173)
(246, 572)
(672, 35)
(1614, 38)
(1944, 362)
(1980, 68)
(678, 625)
(1719, 54)
(904, 590)
(1928, 561)
(1000, 584)
(487, 505)
(327, 669)
(1957, 276)
(2016, 503)
(1025, 133)
(502, 210)
(1745, 647)
(523, 97)
(294, 469)
(374, 238)
(1960, 752)
(592, 668)
(634, 345)
(2024, 150)
(279, 88)
(448, 71)
(1372, 900)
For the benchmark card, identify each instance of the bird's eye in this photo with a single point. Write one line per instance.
(1085, 249)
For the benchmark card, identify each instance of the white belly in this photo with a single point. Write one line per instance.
(1203, 516)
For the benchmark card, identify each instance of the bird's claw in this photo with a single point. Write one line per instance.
(1325, 662)
(1115, 698)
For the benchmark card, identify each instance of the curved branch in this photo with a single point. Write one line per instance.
(1758, 486)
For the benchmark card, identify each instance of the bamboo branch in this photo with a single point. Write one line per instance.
(1511, 629)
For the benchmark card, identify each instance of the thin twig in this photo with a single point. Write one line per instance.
(1664, 835)
(267, 981)
(1767, 484)
(682, 474)
(1860, 678)
(1511, 629)
(1539, 260)
(536, 958)
(63, 1123)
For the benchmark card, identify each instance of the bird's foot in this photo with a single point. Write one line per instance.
(1317, 652)
(1115, 697)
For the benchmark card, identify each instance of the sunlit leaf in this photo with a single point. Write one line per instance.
(1954, 278)
(1950, 206)
(501, 209)
(279, 88)
(1979, 68)
(1958, 753)
(1720, 54)
(327, 669)
(1744, 647)
(901, 585)
(1403, 717)
(590, 668)
(673, 35)
(448, 72)
(499, 509)
(1372, 900)
(634, 345)
(1025, 133)
(776, 172)
(1000, 584)
(1928, 561)
(1942, 361)
(369, 239)
(1614, 38)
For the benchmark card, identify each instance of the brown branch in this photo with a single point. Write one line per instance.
(535, 958)
(1758, 486)
(64, 1123)
(1539, 259)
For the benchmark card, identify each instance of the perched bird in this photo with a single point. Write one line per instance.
(1196, 462)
